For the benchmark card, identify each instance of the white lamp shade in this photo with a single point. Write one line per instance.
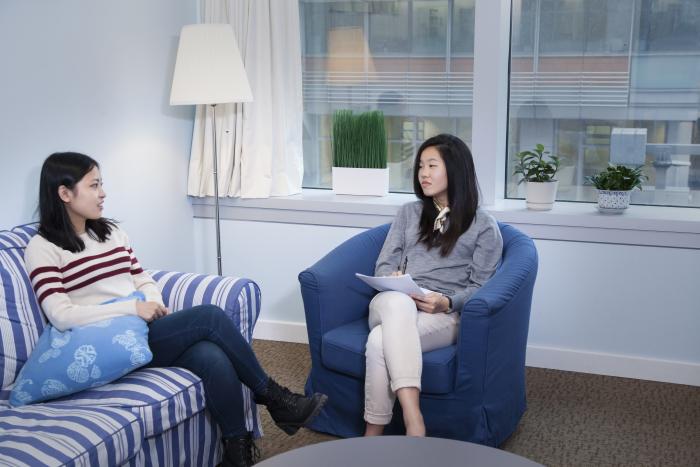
(208, 68)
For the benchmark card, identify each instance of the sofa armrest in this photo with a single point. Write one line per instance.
(238, 297)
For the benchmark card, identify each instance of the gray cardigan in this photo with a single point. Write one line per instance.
(468, 266)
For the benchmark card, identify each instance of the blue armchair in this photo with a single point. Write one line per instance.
(472, 391)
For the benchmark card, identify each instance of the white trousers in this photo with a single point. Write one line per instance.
(399, 334)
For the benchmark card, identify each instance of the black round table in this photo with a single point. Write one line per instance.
(403, 451)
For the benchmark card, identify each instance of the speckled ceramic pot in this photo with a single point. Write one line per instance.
(613, 202)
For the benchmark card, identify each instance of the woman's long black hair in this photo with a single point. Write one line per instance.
(66, 168)
(462, 192)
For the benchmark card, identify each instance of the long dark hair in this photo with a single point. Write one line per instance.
(66, 168)
(462, 192)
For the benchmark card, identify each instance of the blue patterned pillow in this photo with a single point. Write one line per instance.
(83, 357)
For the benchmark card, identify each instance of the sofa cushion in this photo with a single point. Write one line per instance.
(343, 350)
(21, 320)
(161, 397)
(51, 435)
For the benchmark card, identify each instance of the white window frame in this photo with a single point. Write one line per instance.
(490, 107)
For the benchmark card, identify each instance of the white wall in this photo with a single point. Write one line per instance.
(271, 254)
(94, 77)
(619, 299)
(610, 309)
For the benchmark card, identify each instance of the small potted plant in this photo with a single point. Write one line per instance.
(359, 153)
(538, 169)
(615, 184)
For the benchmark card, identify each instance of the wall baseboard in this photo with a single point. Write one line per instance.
(624, 366)
(284, 331)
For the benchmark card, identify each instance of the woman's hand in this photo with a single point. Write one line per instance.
(150, 311)
(432, 302)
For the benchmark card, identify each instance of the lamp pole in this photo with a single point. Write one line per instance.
(216, 189)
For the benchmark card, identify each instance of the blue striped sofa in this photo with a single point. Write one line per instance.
(149, 417)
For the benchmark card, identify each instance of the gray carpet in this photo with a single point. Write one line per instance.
(573, 419)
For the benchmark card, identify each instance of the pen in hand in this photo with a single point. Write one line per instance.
(403, 266)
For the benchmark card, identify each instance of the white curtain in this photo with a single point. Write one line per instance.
(259, 143)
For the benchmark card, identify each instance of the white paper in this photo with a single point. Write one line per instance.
(403, 283)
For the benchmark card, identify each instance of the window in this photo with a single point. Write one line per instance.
(411, 59)
(581, 69)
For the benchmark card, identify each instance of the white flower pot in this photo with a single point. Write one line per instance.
(366, 182)
(540, 196)
(613, 202)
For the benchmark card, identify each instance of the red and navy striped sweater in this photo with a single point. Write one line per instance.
(70, 286)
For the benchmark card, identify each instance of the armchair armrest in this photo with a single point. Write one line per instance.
(238, 297)
(518, 269)
(494, 324)
(332, 295)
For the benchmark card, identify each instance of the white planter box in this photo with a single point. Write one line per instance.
(367, 182)
(540, 196)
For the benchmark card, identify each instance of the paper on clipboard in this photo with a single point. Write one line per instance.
(403, 283)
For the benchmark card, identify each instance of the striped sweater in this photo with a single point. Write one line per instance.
(70, 286)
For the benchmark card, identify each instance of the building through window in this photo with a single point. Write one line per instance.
(580, 71)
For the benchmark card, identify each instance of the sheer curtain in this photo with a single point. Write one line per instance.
(260, 143)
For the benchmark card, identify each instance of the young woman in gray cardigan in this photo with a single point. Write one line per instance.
(449, 246)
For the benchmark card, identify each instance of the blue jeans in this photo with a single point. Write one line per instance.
(203, 340)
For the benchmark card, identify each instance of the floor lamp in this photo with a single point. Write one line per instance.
(209, 70)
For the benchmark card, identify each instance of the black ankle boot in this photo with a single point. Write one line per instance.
(290, 411)
(240, 451)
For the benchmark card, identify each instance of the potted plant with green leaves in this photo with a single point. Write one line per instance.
(538, 168)
(359, 147)
(614, 185)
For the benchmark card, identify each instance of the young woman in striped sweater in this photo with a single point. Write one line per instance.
(80, 259)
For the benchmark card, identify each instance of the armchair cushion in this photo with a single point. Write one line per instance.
(343, 350)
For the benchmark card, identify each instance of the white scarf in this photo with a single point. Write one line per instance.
(440, 221)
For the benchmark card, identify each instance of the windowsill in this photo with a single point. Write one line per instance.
(568, 221)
